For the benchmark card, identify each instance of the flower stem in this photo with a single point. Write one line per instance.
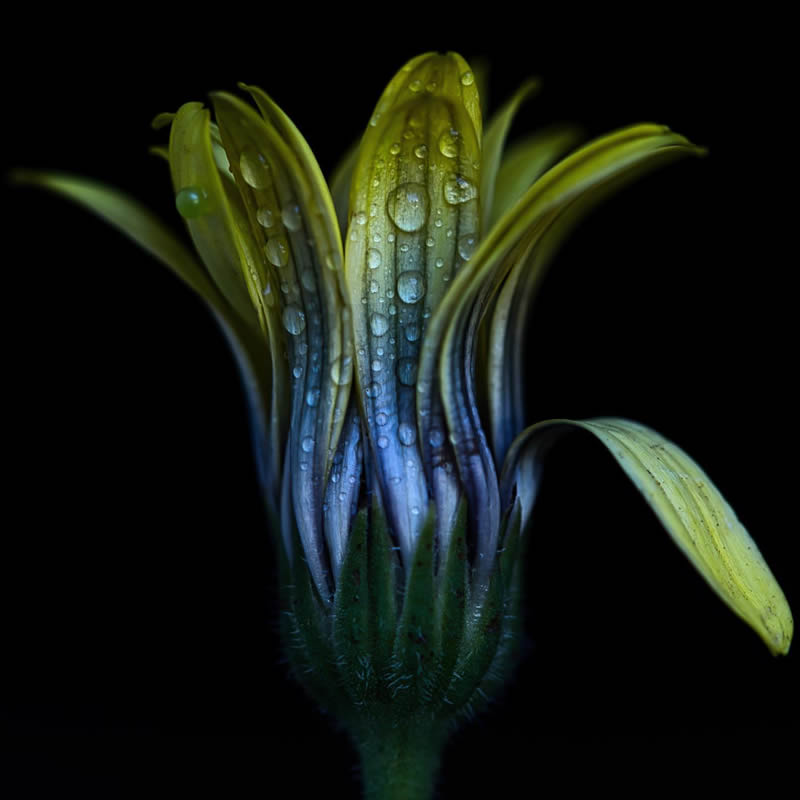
(401, 763)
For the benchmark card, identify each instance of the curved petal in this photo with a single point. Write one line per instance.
(340, 181)
(138, 222)
(493, 143)
(689, 506)
(292, 225)
(414, 220)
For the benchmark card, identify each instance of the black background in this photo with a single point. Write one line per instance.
(138, 624)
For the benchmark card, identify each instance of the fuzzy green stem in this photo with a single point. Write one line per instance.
(401, 763)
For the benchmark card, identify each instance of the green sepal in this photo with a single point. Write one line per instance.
(382, 576)
(352, 642)
(452, 599)
(481, 638)
(305, 628)
(414, 654)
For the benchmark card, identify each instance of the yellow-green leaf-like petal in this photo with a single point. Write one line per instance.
(691, 508)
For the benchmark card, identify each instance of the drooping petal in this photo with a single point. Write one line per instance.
(493, 144)
(414, 217)
(291, 221)
(452, 333)
(690, 507)
(139, 223)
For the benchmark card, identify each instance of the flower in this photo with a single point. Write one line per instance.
(378, 324)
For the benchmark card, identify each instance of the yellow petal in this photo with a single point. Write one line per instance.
(414, 220)
(691, 508)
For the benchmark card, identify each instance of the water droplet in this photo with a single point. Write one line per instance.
(436, 437)
(277, 251)
(411, 286)
(360, 218)
(439, 263)
(467, 79)
(383, 442)
(294, 320)
(420, 151)
(378, 324)
(407, 206)
(297, 371)
(307, 444)
(467, 245)
(407, 434)
(373, 287)
(192, 201)
(412, 333)
(407, 371)
(376, 365)
(395, 148)
(269, 297)
(292, 218)
(448, 143)
(312, 397)
(341, 374)
(308, 279)
(381, 418)
(373, 389)
(374, 258)
(265, 217)
(415, 85)
(457, 189)
(255, 168)
(333, 259)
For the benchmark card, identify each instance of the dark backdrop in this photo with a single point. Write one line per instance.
(139, 626)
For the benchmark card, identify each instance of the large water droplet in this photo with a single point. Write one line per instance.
(467, 245)
(374, 258)
(277, 251)
(407, 371)
(378, 324)
(192, 201)
(307, 444)
(412, 333)
(292, 218)
(411, 286)
(467, 79)
(383, 442)
(407, 206)
(312, 397)
(265, 217)
(457, 189)
(294, 320)
(407, 434)
(255, 168)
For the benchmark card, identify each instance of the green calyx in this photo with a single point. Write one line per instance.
(403, 651)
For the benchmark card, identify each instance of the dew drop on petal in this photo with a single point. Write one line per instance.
(269, 297)
(407, 434)
(360, 218)
(412, 333)
(467, 245)
(277, 251)
(291, 217)
(467, 79)
(373, 389)
(192, 201)
(294, 320)
(383, 442)
(457, 189)
(255, 168)
(312, 397)
(436, 437)
(448, 144)
(411, 286)
(407, 371)
(374, 258)
(381, 418)
(378, 323)
(265, 217)
(307, 444)
(407, 206)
